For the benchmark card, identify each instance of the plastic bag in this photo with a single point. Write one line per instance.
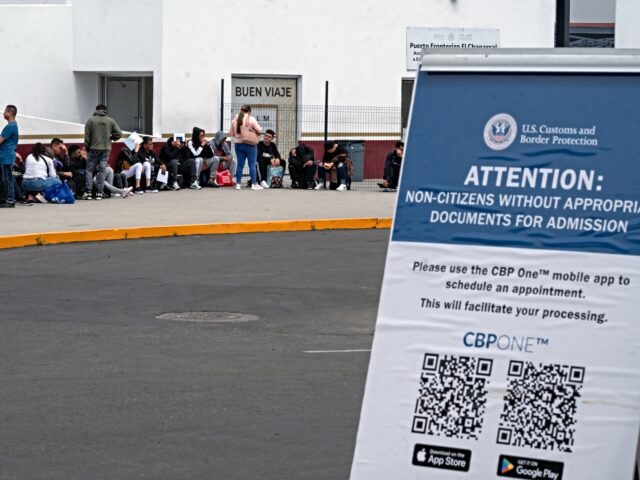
(59, 194)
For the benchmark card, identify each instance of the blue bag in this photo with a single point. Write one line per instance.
(59, 194)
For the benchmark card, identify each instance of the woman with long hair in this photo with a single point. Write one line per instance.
(39, 173)
(246, 149)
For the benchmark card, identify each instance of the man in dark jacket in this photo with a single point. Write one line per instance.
(302, 166)
(99, 131)
(268, 151)
(334, 163)
(391, 175)
(170, 161)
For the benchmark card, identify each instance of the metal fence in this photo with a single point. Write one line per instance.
(369, 133)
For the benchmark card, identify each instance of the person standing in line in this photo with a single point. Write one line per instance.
(99, 131)
(246, 150)
(8, 143)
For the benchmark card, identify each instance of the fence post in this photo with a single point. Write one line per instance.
(326, 110)
(222, 104)
(563, 12)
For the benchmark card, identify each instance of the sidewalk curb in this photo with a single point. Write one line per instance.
(53, 238)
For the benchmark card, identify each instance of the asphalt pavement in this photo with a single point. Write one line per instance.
(95, 386)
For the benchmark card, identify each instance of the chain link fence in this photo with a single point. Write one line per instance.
(368, 133)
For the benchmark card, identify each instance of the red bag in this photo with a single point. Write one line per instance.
(224, 179)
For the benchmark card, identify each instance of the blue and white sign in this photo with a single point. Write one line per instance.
(507, 340)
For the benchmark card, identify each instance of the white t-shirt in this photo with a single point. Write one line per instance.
(38, 168)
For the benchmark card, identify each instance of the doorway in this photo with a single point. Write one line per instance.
(130, 102)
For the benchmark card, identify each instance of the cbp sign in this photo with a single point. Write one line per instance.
(507, 340)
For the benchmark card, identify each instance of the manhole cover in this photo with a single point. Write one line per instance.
(208, 317)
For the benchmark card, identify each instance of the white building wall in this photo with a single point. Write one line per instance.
(628, 24)
(37, 63)
(593, 11)
(117, 35)
(358, 46)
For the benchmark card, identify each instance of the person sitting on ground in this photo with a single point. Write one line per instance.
(78, 164)
(57, 151)
(199, 150)
(111, 188)
(127, 167)
(268, 156)
(302, 166)
(170, 161)
(221, 156)
(391, 175)
(334, 163)
(39, 174)
(150, 164)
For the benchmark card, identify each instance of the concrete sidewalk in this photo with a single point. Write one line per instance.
(221, 205)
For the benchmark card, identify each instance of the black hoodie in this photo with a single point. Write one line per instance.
(195, 149)
(303, 155)
(169, 152)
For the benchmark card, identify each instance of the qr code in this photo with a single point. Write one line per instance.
(540, 406)
(453, 396)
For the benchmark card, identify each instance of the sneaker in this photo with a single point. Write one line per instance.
(126, 192)
(319, 186)
(24, 203)
(98, 196)
(117, 195)
(263, 184)
(86, 196)
(40, 198)
(341, 188)
(195, 186)
(7, 205)
(175, 187)
(138, 191)
(152, 190)
(256, 187)
(238, 186)
(212, 183)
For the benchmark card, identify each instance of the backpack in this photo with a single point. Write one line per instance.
(274, 176)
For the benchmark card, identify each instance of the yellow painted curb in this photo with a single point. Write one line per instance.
(52, 238)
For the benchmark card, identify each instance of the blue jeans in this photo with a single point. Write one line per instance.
(37, 185)
(8, 183)
(246, 152)
(96, 160)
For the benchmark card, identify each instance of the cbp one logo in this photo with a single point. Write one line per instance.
(500, 131)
